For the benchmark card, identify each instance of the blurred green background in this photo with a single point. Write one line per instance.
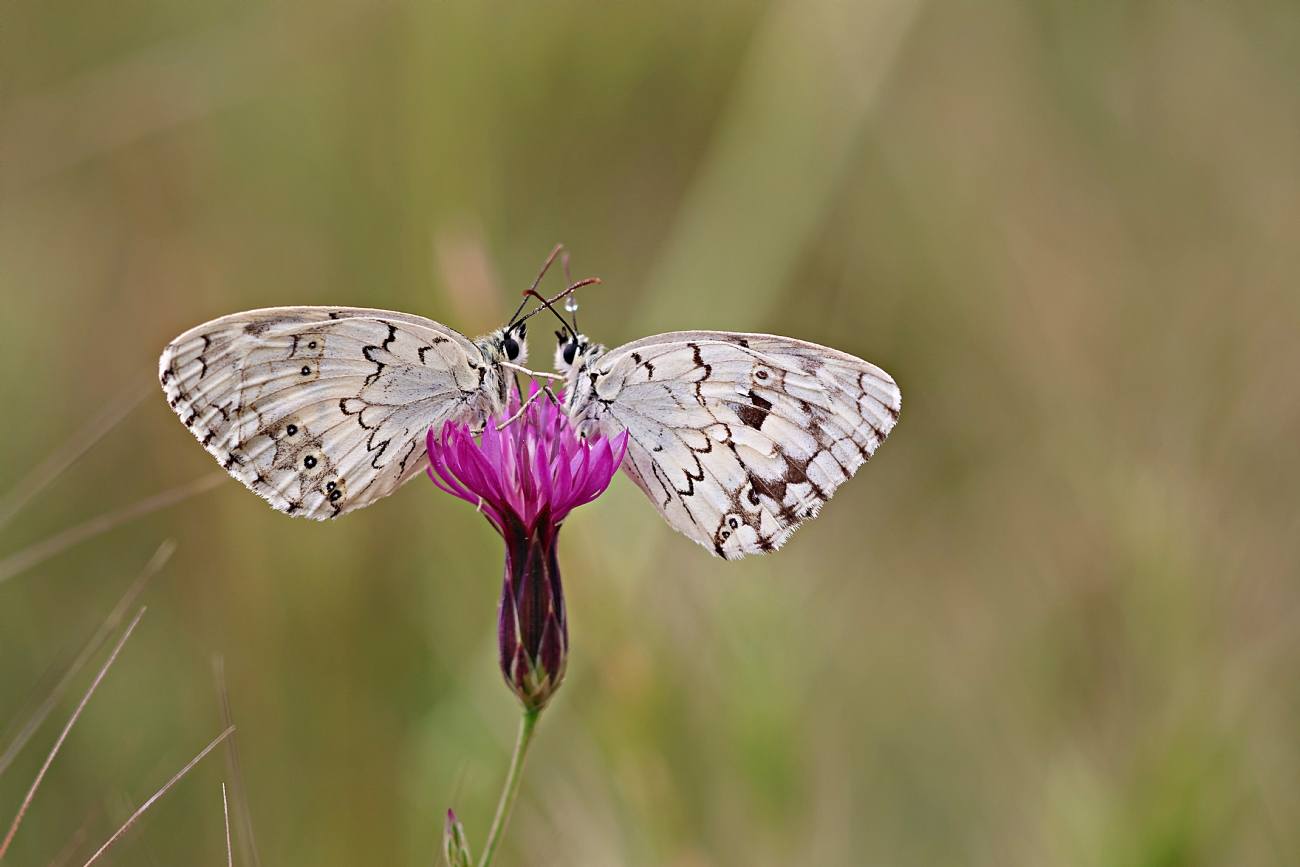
(1055, 621)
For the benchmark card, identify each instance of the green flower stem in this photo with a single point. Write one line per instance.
(511, 789)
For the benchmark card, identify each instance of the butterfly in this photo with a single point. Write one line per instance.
(323, 410)
(737, 439)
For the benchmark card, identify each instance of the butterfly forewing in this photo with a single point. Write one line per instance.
(736, 438)
(324, 410)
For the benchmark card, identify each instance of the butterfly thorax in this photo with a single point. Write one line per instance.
(502, 345)
(577, 361)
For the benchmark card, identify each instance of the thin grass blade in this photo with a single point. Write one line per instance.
(127, 749)
(158, 794)
(36, 716)
(234, 772)
(41, 551)
(31, 793)
(74, 447)
(225, 810)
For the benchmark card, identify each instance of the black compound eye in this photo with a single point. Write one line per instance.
(309, 462)
(511, 347)
(570, 352)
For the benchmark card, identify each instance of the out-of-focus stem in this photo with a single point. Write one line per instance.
(511, 789)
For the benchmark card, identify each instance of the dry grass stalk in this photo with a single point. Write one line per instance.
(158, 794)
(74, 447)
(234, 772)
(31, 793)
(36, 716)
(41, 551)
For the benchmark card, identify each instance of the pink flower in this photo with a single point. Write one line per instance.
(526, 479)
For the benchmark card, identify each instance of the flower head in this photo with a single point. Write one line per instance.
(527, 478)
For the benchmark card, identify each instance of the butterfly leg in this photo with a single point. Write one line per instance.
(522, 409)
(546, 390)
(535, 374)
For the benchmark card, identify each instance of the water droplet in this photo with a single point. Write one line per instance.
(571, 304)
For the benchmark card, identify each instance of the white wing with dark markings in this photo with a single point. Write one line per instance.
(736, 438)
(322, 410)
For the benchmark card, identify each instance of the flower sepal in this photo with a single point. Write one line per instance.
(454, 845)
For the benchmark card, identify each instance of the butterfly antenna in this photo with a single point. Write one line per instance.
(511, 323)
(548, 302)
(540, 274)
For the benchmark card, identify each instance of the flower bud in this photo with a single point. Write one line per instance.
(454, 845)
(532, 630)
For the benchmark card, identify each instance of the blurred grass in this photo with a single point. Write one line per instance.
(1053, 622)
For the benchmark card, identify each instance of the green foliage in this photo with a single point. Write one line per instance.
(1053, 621)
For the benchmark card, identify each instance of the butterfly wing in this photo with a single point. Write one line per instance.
(322, 410)
(737, 438)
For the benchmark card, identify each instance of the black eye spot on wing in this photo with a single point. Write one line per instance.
(306, 371)
(291, 430)
(309, 462)
(334, 489)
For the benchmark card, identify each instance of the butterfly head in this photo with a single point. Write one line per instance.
(574, 352)
(509, 343)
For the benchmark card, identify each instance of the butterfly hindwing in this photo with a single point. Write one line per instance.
(736, 438)
(324, 410)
